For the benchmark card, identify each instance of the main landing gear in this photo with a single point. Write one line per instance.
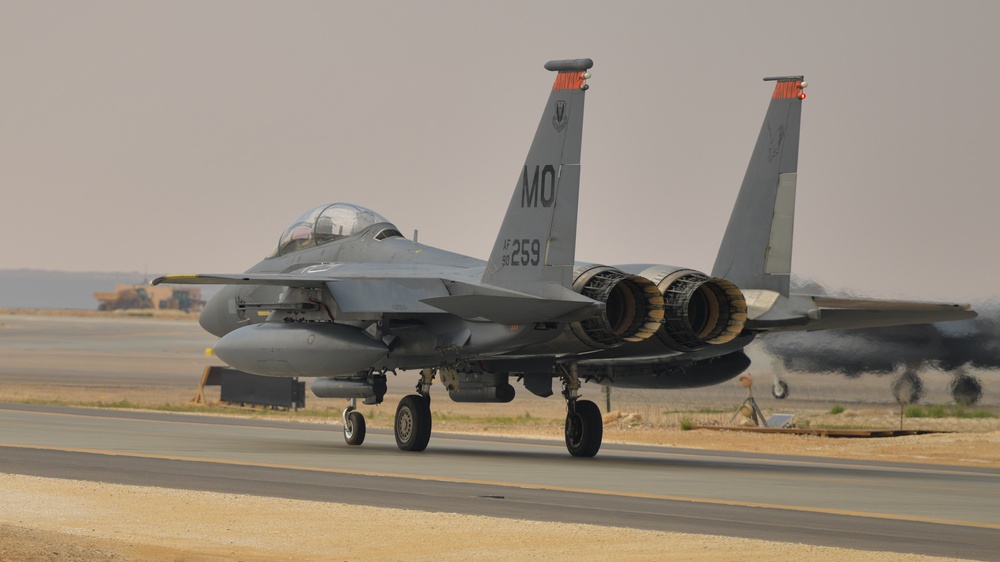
(413, 416)
(413, 423)
(584, 425)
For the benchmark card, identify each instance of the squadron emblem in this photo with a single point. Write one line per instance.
(559, 118)
(774, 141)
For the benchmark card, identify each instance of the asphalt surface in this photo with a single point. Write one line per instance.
(933, 510)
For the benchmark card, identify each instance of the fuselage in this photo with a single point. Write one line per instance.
(417, 336)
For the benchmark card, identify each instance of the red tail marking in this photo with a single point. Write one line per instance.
(568, 81)
(785, 90)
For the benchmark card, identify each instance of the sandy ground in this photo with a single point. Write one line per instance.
(46, 519)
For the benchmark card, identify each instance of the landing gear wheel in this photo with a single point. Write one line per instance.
(584, 429)
(780, 389)
(354, 428)
(413, 423)
(966, 390)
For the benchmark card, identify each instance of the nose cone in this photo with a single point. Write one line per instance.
(219, 315)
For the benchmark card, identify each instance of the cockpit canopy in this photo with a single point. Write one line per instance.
(326, 223)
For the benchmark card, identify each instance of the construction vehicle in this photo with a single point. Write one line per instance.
(140, 297)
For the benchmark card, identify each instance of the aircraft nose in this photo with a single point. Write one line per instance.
(217, 318)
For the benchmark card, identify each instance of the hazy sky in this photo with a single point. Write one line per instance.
(185, 136)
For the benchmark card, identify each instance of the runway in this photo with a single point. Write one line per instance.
(68, 351)
(924, 509)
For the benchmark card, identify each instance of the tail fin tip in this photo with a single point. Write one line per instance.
(788, 87)
(569, 65)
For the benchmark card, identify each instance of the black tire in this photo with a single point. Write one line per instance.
(413, 423)
(584, 429)
(354, 428)
(966, 390)
(780, 390)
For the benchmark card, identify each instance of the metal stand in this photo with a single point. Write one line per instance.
(749, 407)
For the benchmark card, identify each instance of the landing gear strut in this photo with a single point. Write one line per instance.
(413, 416)
(584, 426)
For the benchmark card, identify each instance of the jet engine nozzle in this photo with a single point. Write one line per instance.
(633, 307)
(700, 310)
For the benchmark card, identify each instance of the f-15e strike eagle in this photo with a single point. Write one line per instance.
(347, 299)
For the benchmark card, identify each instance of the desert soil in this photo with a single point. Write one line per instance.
(64, 520)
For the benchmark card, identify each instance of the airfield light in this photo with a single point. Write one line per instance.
(586, 76)
(802, 95)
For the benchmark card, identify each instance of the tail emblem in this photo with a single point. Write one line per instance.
(559, 118)
(774, 146)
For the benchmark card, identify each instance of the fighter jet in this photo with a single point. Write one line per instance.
(346, 298)
(956, 348)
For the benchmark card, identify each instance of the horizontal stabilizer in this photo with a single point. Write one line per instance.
(768, 311)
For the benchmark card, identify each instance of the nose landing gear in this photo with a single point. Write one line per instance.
(354, 425)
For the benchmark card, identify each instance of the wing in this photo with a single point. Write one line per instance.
(380, 289)
(279, 279)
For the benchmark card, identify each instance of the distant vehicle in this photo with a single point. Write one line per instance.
(132, 297)
(347, 299)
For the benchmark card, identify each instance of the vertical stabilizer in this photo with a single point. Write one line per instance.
(535, 249)
(756, 252)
